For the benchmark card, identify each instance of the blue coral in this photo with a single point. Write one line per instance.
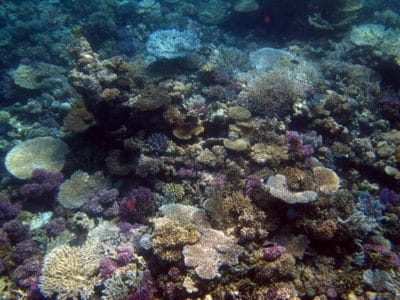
(172, 43)
(157, 142)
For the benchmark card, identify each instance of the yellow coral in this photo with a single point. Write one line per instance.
(69, 272)
(239, 113)
(262, 153)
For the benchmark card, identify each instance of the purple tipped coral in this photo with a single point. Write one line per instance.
(253, 183)
(42, 183)
(8, 211)
(102, 203)
(273, 251)
(55, 226)
(294, 141)
(15, 231)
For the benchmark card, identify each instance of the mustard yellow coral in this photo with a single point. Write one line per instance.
(170, 238)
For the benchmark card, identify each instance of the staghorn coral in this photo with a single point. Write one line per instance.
(74, 191)
(39, 153)
(123, 282)
(69, 272)
(213, 250)
(238, 212)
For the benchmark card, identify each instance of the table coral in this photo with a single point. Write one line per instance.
(45, 153)
(213, 250)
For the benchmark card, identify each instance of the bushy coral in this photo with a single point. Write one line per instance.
(8, 211)
(271, 95)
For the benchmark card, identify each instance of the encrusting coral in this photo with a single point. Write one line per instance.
(277, 187)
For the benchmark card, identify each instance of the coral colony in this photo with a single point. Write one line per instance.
(175, 149)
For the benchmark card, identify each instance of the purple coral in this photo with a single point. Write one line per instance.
(125, 227)
(253, 183)
(55, 226)
(42, 183)
(27, 273)
(124, 256)
(136, 204)
(294, 141)
(102, 203)
(24, 250)
(273, 251)
(187, 173)
(388, 196)
(8, 211)
(107, 267)
(15, 230)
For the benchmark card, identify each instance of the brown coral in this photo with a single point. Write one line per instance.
(150, 98)
(326, 179)
(78, 119)
(238, 113)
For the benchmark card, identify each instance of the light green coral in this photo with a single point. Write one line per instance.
(384, 41)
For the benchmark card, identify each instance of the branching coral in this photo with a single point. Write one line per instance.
(69, 272)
